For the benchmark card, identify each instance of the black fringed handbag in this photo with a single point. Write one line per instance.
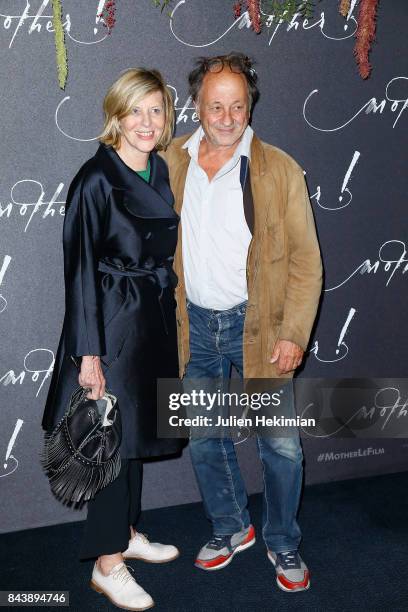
(81, 455)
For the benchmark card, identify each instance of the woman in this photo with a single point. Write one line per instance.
(120, 233)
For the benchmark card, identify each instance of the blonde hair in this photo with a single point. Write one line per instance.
(125, 93)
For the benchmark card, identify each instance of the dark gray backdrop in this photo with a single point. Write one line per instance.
(348, 135)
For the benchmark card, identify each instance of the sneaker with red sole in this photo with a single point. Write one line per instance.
(220, 550)
(292, 574)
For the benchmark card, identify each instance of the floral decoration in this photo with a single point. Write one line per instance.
(259, 12)
(108, 15)
(365, 35)
(60, 48)
(344, 7)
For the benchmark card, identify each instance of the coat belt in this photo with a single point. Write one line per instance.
(163, 276)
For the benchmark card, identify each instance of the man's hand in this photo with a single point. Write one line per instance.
(91, 375)
(288, 356)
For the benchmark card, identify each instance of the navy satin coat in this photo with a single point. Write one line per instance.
(119, 239)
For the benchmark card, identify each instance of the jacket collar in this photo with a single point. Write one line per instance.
(242, 150)
(146, 200)
(258, 162)
(257, 157)
(179, 158)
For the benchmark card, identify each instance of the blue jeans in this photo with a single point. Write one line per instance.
(215, 345)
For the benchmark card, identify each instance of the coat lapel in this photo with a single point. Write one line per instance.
(153, 200)
(178, 160)
(261, 190)
(262, 194)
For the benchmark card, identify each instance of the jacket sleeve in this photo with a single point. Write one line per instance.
(304, 281)
(82, 240)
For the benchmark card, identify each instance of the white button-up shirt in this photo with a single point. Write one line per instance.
(215, 235)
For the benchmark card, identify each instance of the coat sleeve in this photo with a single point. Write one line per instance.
(304, 281)
(82, 240)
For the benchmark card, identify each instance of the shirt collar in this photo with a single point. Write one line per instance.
(243, 149)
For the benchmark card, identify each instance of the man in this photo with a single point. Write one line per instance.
(249, 272)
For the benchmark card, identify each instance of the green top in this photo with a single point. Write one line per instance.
(145, 174)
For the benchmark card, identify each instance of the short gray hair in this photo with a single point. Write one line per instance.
(237, 62)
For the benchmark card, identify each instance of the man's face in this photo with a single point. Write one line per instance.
(223, 108)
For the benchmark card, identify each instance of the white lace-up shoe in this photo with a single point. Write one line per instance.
(152, 552)
(121, 588)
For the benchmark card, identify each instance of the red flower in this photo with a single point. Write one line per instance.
(238, 9)
(254, 14)
(108, 14)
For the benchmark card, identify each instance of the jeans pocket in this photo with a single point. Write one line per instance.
(241, 310)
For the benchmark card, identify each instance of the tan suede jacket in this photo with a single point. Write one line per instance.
(284, 269)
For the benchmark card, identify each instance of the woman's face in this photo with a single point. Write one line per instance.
(143, 127)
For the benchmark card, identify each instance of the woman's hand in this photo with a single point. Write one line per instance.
(91, 375)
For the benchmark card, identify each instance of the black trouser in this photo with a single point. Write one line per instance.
(112, 511)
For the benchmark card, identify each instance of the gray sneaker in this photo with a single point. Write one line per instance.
(220, 550)
(291, 571)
